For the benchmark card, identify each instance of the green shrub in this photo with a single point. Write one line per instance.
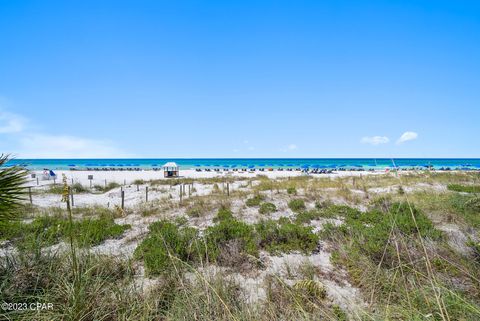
(267, 208)
(323, 204)
(254, 201)
(55, 189)
(92, 232)
(464, 188)
(138, 182)
(79, 188)
(228, 230)
(296, 205)
(278, 237)
(223, 214)
(370, 231)
(48, 230)
(473, 204)
(167, 240)
(109, 187)
(292, 191)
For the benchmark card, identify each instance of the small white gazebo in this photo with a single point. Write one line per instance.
(170, 169)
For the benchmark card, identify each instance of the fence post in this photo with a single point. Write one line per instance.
(71, 196)
(181, 193)
(123, 200)
(146, 194)
(37, 181)
(138, 188)
(105, 183)
(30, 194)
(228, 189)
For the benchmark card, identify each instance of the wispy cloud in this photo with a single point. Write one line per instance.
(49, 146)
(407, 136)
(375, 140)
(11, 123)
(290, 147)
(30, 143)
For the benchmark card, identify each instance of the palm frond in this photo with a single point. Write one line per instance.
(12, 189)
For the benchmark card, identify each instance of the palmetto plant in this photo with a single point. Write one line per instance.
(12, 189)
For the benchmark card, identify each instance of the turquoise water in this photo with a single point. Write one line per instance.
(185, 163)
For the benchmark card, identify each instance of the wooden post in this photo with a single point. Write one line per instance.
(228, 189)
(72, 181)
(90, 183)
(180, 193)
(146, 194)
(123, 200)
(138, 188)
(71, 196)
(124, 182)
(37, 181)
(30, 194)
(189, 191)
(105, 183)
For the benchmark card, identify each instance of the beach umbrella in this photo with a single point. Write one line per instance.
(290, 165)
(251, 166)
(198, 165)
(234, 166)
(261, 165)
(226, 166)
(305, 166)
(71, 165)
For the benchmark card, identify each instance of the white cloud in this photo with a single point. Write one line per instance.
(26, 142)
(11, 123)
(49, 146)
(289, 148)
(407, 136)
(375, 140)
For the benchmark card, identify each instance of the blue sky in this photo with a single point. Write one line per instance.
(240, 78)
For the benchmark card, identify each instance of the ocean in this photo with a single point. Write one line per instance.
(189, 163)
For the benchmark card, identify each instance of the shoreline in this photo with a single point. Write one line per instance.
(128, 177)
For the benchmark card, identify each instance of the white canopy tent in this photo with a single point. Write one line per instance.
(170, 169)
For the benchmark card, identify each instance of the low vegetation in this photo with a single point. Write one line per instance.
(106, 188)
(409, 254)
(255, 200)
(296, 205)
(267, 208)
(48, 230)
(464, 188)
(167, 240)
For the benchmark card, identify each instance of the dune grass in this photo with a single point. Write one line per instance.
(393, 252)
